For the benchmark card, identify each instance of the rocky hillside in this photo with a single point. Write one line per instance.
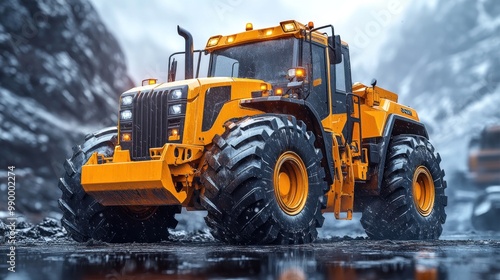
(60, 77)
(444, 60)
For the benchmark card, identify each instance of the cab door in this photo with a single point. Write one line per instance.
(343, 105)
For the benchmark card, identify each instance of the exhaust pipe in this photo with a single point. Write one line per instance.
(189, 57)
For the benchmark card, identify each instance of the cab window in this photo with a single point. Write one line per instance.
(318, 96)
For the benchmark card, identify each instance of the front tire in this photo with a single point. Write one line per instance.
(84, 218)
(412, 201)
(264, 183)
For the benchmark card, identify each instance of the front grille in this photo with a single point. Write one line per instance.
(152, 125)
(149, 123)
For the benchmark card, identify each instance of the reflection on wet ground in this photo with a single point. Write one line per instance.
(340, 258)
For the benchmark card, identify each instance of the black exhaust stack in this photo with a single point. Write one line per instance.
(189, 57)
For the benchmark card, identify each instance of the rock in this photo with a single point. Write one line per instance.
(23, 225)
(50, 223)
(3, 229)
(62, 73)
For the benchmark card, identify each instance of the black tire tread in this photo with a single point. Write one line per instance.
(238, 205)
(392, 215)
(84, 218)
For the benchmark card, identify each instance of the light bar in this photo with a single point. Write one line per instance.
(288, 26)
(213, 41)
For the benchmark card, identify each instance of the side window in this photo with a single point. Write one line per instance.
(318, 97)
(226, 66)
(340, 83)
(319, 69)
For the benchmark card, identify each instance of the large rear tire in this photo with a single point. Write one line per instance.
(264, 183)
(84, 218)
(412, 202)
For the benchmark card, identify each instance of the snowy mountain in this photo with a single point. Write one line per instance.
(444, 60)
(60, 77)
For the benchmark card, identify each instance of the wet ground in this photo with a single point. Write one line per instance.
(196, 255)
(44, 251)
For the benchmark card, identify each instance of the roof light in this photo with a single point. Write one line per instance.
(213, 41)
(269, 32)
(249, 26)
(288, 26)
(146, 82)
(230, 39)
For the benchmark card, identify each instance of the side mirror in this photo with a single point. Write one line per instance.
(335, 49)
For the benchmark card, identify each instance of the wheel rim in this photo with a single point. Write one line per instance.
(423, 191)
(291, 184)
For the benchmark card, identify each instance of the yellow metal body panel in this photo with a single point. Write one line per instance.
(376, 107)
(119, 181)
(240, 89)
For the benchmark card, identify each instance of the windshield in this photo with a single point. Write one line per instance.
(265, 60)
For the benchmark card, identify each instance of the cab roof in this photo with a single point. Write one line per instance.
(289, 28)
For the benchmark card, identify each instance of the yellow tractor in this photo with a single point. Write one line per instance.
(274, 136)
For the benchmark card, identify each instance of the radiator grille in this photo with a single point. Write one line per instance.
(149, 123)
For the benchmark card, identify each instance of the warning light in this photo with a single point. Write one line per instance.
(173, 134)
(249, 26)
(126, 137)
(298, 73)
(147, 82)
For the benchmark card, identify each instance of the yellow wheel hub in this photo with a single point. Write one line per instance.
(423, 191)
(291, 184)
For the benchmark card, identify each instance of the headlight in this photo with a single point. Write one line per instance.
(176, 94)
(175, 109)
(126, 115)
(127, 100)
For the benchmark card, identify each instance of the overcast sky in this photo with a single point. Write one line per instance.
(147, 32)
